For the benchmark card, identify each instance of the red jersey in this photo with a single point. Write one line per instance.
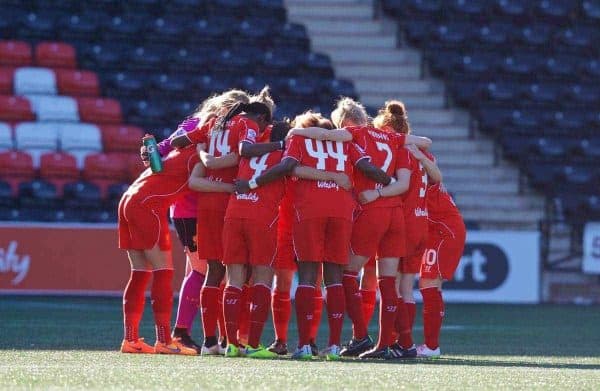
(440, 202)
(164, 188)
(386, 152)
(262, 202)
(286, 207)
(415, 199)
(323, 198)
(220, 143)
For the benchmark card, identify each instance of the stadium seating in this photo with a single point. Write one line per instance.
(84, 69)
(528, 72)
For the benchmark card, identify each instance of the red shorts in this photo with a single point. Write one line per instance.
(416, 239)
(323, 239)
(444, 248)
(249, 241)
(210, 234)
(142, 227)
(286, 257)
(379, 231)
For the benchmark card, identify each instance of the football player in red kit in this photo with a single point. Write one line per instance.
(234, 132)
(249, 241)
(443, 250)
(144, 234)
(393, 116)
(322, 229)
(375, 229)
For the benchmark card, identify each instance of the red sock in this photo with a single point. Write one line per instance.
(209, 301)
(220, 315)
(402, 326)
(282, 311)
(162, 303)
(387, 310)
(261, 301)
(134, 298)
(305, 308)
(411, 307)
(316, 320)
(335, 312)
(433, 315)
(368, 304)
(231, 312)
(245, 299)
(354, 304)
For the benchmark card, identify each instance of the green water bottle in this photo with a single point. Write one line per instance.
(153, 154)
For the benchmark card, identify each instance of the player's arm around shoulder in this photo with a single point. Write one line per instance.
(433, 172)
(281, 169)
(199, 182)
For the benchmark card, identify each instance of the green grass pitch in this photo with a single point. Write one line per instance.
(71, 343)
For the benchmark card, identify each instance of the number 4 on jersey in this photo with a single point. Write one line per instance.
(321, 150)
(259, 165)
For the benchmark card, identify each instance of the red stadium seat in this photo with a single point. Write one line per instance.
(77, 83)
(121, 138)
(59, 168)
(7, 75)
(15, 53)
(55, 55)
(15, 108)
(104, 169)
(15, 167)
(111, 166)
(136, 167)
(101, 111)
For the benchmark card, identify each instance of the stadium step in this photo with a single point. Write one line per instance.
(408, 71)
(366, 50)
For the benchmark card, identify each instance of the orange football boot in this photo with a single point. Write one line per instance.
(175, 347)
(138, 346)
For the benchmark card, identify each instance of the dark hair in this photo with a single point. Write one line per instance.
(280, 130)
(250, 108)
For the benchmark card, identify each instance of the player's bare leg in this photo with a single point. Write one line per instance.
(134, 298)
(209, 303)
(433, 315)
(360, 342)
(336, 303)
(305, 306)
(281, 306)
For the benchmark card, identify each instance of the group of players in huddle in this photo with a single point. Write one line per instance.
(255, 201)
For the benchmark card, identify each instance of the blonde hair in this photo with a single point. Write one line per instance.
(393, 115)
(349, 110)
(264, 96)
(309, 119)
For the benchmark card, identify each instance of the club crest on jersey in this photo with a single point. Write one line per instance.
(248, 197)
(327, 185)
(251, 134)
(421, 212)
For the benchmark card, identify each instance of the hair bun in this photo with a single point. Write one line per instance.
(396, 108)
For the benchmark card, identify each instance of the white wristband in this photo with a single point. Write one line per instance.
(252, 184)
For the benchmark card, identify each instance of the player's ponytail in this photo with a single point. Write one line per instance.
(393, 115)
(233, 111)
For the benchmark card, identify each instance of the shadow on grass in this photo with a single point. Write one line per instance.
(481, 363)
